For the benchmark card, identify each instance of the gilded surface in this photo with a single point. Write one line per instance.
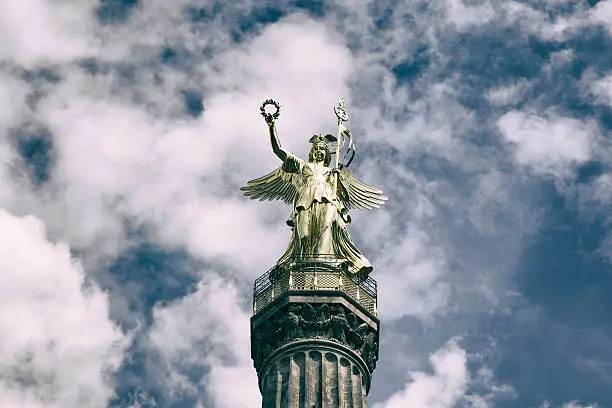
(320, 195)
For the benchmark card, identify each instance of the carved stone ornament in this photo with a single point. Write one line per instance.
(302, 321)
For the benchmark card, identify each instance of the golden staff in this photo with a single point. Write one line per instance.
(342, 116)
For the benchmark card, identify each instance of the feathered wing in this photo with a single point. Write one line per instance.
(357, 194)
(276, 185)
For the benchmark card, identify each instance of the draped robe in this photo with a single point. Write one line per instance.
(320, 199)
(318, 228)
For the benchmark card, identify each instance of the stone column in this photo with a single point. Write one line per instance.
(314, 352)
(315, 375)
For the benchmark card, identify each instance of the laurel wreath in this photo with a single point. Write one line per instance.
(270, 116)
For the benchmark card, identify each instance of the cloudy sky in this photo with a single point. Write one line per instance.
(128, 252)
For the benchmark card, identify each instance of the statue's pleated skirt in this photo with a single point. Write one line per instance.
(326, 234)
(313, 379)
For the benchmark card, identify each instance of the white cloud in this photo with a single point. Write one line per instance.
(571, 404)
(410, 277)
(466, 16)
(433, 123)
(508, 94)
(58, 344)
(544, 21)
(13, 94)
(602, 14)
(576, 404)
(115, 160)
(549, 145)
(124, 150)
(441, 389)
(12, 100)
(45, 31)
(602, 89)
(208, 329)
(491, 390)
(558, 60)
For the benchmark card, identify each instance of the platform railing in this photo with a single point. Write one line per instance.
(313, 273)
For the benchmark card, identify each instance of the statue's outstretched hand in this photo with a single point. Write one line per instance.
(270, 117)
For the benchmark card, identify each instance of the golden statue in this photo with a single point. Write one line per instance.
(321, 196)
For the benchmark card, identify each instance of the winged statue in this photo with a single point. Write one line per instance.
(321, 196)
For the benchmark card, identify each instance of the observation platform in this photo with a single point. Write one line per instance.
(318, 273)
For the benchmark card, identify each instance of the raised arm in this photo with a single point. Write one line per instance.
(276, 147)
(270, 120)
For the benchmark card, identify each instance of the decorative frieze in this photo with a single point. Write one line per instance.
(304, 321)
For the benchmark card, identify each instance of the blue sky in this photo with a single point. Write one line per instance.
(127, 128)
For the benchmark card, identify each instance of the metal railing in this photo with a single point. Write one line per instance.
(312, 273)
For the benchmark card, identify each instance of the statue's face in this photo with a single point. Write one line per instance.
(318, 152)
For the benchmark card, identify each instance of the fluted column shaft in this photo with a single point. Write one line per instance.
(314, 376)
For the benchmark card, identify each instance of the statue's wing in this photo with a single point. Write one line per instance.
(276, 185)
(358, 194)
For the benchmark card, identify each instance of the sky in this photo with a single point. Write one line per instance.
(128, 254)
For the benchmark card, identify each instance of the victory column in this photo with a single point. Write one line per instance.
(314, 330)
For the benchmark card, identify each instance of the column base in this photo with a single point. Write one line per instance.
(314, 374)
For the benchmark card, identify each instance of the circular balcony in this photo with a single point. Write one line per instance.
(314, 273)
